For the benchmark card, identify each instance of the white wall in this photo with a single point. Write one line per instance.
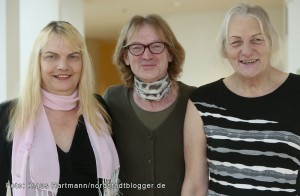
(12, 47)
(3, 81)
(198, 37)
(9, 45)
(20, 21)
(34, 15)
(73, 12)
(197, 33)
(293, 35)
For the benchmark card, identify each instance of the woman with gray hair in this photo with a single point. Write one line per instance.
(251, 118)
(55, 137)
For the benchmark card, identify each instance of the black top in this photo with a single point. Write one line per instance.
(77, 167)
(253, 144)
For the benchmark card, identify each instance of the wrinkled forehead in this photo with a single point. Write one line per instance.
(242, 22)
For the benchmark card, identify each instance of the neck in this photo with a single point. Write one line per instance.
(257, 86)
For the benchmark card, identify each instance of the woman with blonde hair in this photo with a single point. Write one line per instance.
(55, 137)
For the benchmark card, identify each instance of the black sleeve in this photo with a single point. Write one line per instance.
(106, 96)
(103, 103)
(5, 148)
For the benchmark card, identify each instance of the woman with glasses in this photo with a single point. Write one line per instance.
(148, 111)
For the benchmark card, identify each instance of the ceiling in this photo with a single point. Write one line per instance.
(105, 18)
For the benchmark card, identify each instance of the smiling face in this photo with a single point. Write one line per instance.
(246, 48)
(148, 67)
(60, 67)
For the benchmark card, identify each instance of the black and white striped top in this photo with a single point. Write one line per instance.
(253, 144)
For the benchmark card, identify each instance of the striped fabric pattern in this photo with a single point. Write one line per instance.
(253, 144)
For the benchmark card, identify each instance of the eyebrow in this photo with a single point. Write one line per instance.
(75, 53)
(153, 41)
(235, 36)
(50, 52)
(257, 34)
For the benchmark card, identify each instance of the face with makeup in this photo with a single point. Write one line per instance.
(60, 67)
(245, 47)
(148, 67)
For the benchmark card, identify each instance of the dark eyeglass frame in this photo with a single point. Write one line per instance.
(144, 48)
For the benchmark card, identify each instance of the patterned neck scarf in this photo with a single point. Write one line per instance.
(154, 91)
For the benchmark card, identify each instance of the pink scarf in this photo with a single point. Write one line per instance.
(34, 152)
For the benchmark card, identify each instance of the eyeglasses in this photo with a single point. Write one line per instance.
(139, 49)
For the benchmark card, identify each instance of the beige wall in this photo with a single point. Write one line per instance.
(106, 73)
(197, 33)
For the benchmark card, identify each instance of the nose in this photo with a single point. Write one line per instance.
(246, 49)
(62, 64)
(147, 53)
